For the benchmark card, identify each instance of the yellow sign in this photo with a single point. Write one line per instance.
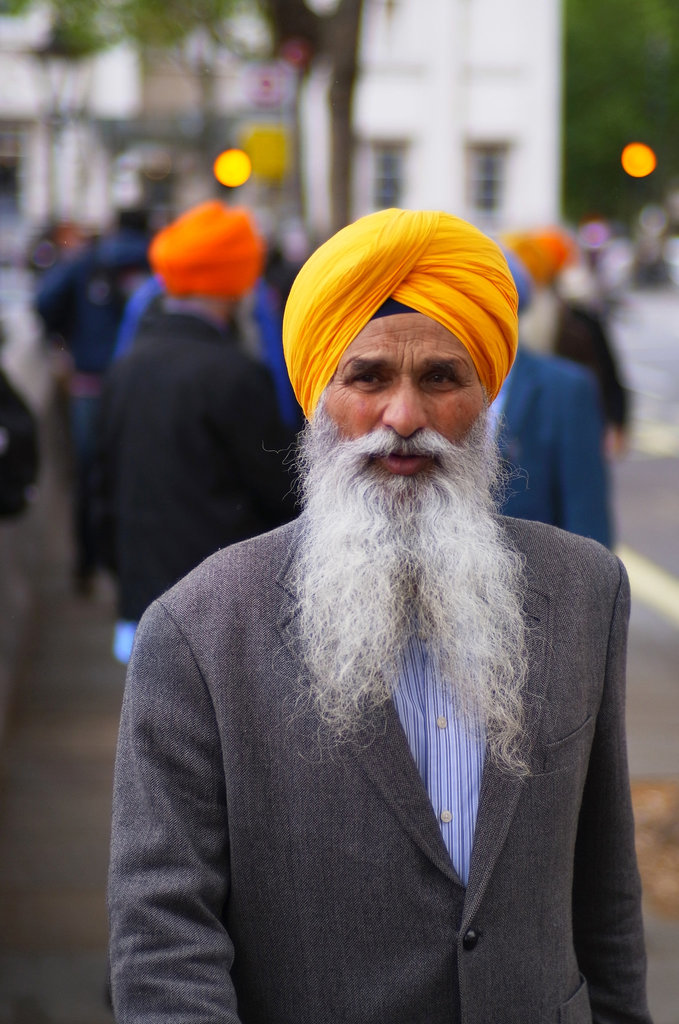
(268, 147)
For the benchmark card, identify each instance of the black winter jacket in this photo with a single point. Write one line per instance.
(191, 454)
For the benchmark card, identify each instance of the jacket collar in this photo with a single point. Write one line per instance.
(522, 388)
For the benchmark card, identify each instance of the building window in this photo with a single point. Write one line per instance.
(9, 172)
(487, 170)
(388, 180)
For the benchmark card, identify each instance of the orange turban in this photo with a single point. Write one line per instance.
(544, 253)
(433, 262)
(211, 250)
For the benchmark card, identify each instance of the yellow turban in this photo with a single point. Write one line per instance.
(433, 262)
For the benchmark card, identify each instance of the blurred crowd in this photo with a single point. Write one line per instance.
(167, 354)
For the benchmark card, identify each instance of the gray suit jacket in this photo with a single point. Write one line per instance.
(261, 873)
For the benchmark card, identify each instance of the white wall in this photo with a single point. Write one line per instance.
(68, 150)
(514, 69)
(440, 75)
(410, 84)
(115, 87)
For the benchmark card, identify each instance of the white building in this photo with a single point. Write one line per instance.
(79, 139)
(458, 107)
(53, 164)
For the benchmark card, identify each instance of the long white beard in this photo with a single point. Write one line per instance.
(383, 557)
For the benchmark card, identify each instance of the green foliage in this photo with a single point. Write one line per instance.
(79, 27)
(621, 85)
(165, 23)
(82, 27)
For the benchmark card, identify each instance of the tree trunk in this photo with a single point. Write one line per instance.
(341, 45)
(332, 38)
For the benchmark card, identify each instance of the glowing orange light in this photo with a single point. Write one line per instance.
(638, 160)
(232, 167)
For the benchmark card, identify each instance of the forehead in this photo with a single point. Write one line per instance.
(405, 336)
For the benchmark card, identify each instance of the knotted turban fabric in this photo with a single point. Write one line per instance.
(212, 250)
(434, 262)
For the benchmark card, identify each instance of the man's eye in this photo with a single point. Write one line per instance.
(441, 379)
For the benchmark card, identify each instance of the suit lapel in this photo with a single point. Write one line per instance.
(500, 792)
(384, 757)
(389, 764)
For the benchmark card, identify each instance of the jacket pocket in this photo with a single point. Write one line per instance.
(565, 753)
(577, 1009)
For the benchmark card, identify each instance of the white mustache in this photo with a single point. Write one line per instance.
(384, 442)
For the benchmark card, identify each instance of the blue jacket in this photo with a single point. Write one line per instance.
(83, 298)
(551, 434)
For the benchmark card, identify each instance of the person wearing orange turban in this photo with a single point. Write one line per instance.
(190, 431)
(544, 253)
(432, 262)
(211, 250)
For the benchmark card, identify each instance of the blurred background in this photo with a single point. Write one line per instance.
(510, 113)
(526, 117)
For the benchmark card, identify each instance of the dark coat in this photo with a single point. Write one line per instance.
(582, 336)
(191, 455)
(261, 874)
(551, 434)
(83, 298)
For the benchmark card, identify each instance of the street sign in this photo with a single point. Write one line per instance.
(269, 85)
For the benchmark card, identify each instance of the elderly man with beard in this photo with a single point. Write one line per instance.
(372, 765)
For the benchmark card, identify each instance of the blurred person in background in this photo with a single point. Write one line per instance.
(583, 337)
(270, 295)
(58, 241)
(567, 318)
(143, 301)
(264, 310)
(80, 300)
(550, 430)
(372, 765)
(191, 441)
(19, 443)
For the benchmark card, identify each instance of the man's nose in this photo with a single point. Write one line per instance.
(404, 411)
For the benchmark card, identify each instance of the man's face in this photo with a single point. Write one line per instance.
(405, 373)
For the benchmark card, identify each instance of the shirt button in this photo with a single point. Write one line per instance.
(442, 721)
(446, 816)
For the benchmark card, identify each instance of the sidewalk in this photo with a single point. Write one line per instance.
(55, 794)
(55, 779)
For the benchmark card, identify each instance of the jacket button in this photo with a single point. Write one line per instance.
(470, 939)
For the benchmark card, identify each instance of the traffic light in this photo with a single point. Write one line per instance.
(232, 167)
(638, 160)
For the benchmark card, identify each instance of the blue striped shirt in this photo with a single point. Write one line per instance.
(448, 758)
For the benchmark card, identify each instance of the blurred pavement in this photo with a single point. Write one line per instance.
(55, 795)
